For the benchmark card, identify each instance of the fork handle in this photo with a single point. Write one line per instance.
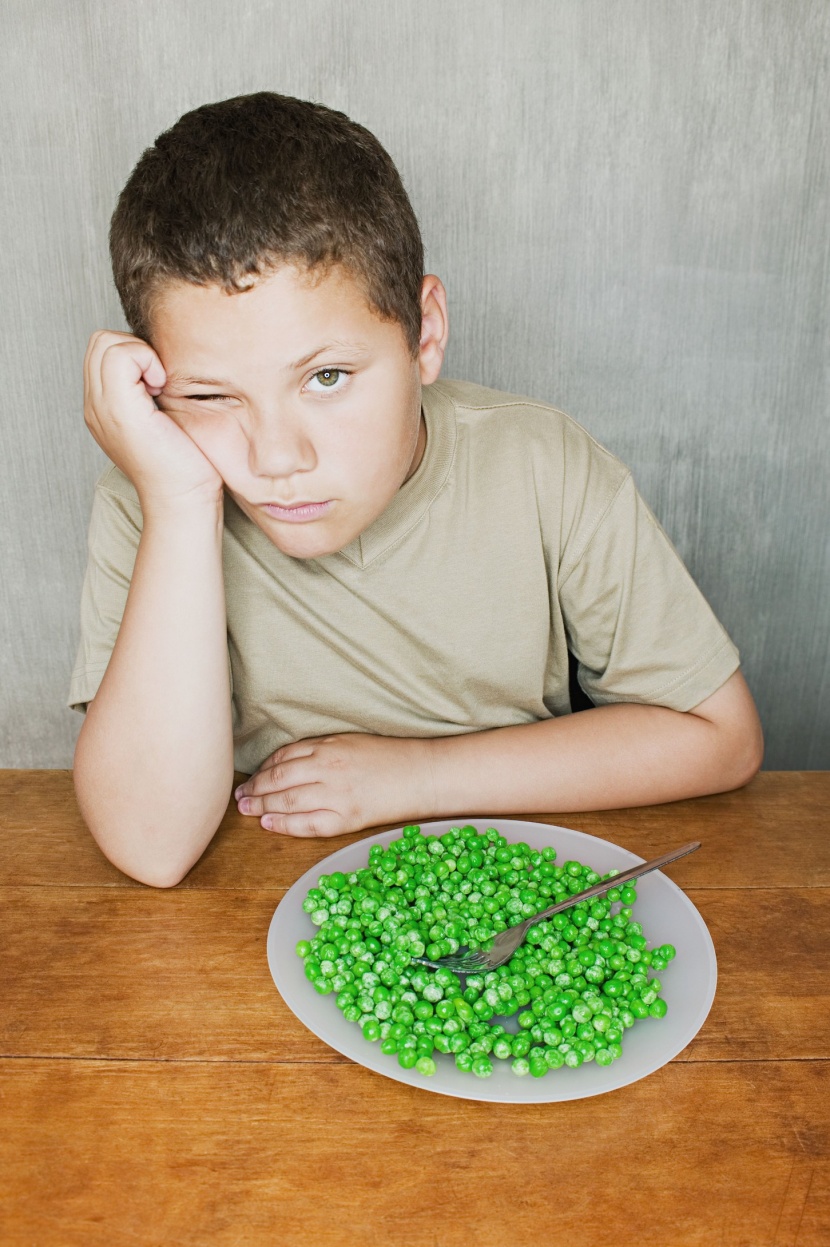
(633, 872)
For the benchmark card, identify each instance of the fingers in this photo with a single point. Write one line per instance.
(123, 361)
(279, 776)
(291, 786)
(120, 372)
(308, 825)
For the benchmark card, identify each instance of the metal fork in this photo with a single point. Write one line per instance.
(506, 942)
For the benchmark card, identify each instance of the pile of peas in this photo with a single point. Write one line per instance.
(577, 983)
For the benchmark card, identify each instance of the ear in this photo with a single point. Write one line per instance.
(435, 329)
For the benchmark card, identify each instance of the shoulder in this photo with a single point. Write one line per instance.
(497, 411)
(115, 520)
(552, 445)
(112, 483)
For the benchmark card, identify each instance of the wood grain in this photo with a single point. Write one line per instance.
(156, 1092)
(105, 1154)
(182, 975)
(748, 837)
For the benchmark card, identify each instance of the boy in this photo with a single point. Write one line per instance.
(317, 562)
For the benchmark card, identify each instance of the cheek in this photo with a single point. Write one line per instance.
(222, 442)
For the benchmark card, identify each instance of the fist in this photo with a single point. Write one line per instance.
(122, 377)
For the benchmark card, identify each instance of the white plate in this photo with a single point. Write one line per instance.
(667, 916)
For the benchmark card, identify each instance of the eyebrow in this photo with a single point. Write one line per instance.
(334, 345)
(176, 379)
(355, 348)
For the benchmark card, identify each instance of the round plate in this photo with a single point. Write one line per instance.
(667, 916)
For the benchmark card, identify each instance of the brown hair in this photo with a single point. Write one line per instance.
(236, 188)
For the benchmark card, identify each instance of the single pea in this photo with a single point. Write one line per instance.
(603, 1057)
(658, 1008)
(482, 1066)
(521, 1066)
(425, 1065)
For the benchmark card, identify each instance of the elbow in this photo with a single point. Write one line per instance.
(142, 848)
(156, 874)
(746, 756)
(138, 853)
(146, 862)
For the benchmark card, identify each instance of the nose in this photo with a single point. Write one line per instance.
(279, 446)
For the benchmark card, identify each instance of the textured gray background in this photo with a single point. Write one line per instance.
(627, 199)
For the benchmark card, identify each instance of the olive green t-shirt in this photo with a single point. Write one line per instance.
(517, 538)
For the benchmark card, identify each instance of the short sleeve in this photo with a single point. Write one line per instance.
(639, 627)
(114, 534)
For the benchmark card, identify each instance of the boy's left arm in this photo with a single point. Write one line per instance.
(610, 757)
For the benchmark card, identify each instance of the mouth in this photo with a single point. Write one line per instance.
(297, 512)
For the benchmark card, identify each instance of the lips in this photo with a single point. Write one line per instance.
(297, 512)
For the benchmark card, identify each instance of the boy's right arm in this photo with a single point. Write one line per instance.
(154, 759)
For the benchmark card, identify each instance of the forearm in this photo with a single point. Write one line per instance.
(606, 758)
(154, 760)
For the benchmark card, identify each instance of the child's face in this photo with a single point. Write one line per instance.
(303, 399)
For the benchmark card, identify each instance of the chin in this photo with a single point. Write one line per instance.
(307, 545)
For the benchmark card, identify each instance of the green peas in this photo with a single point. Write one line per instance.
(577, 984)
(520, 1044)
(464, 1010)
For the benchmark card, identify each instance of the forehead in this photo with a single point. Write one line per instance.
(287, 310)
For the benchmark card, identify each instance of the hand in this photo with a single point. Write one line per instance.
(330, 785)
(122, 377)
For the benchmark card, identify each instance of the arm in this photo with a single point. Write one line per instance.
(605, 758)
(154, 759)
(609, 757)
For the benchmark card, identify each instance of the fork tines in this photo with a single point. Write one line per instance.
(458, 965)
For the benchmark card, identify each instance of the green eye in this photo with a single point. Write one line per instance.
(328, 377)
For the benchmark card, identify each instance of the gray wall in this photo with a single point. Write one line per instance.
(628, 201)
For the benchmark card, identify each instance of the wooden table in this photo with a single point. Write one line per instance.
(155, 1090)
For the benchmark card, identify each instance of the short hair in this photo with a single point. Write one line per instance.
(237, 188)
